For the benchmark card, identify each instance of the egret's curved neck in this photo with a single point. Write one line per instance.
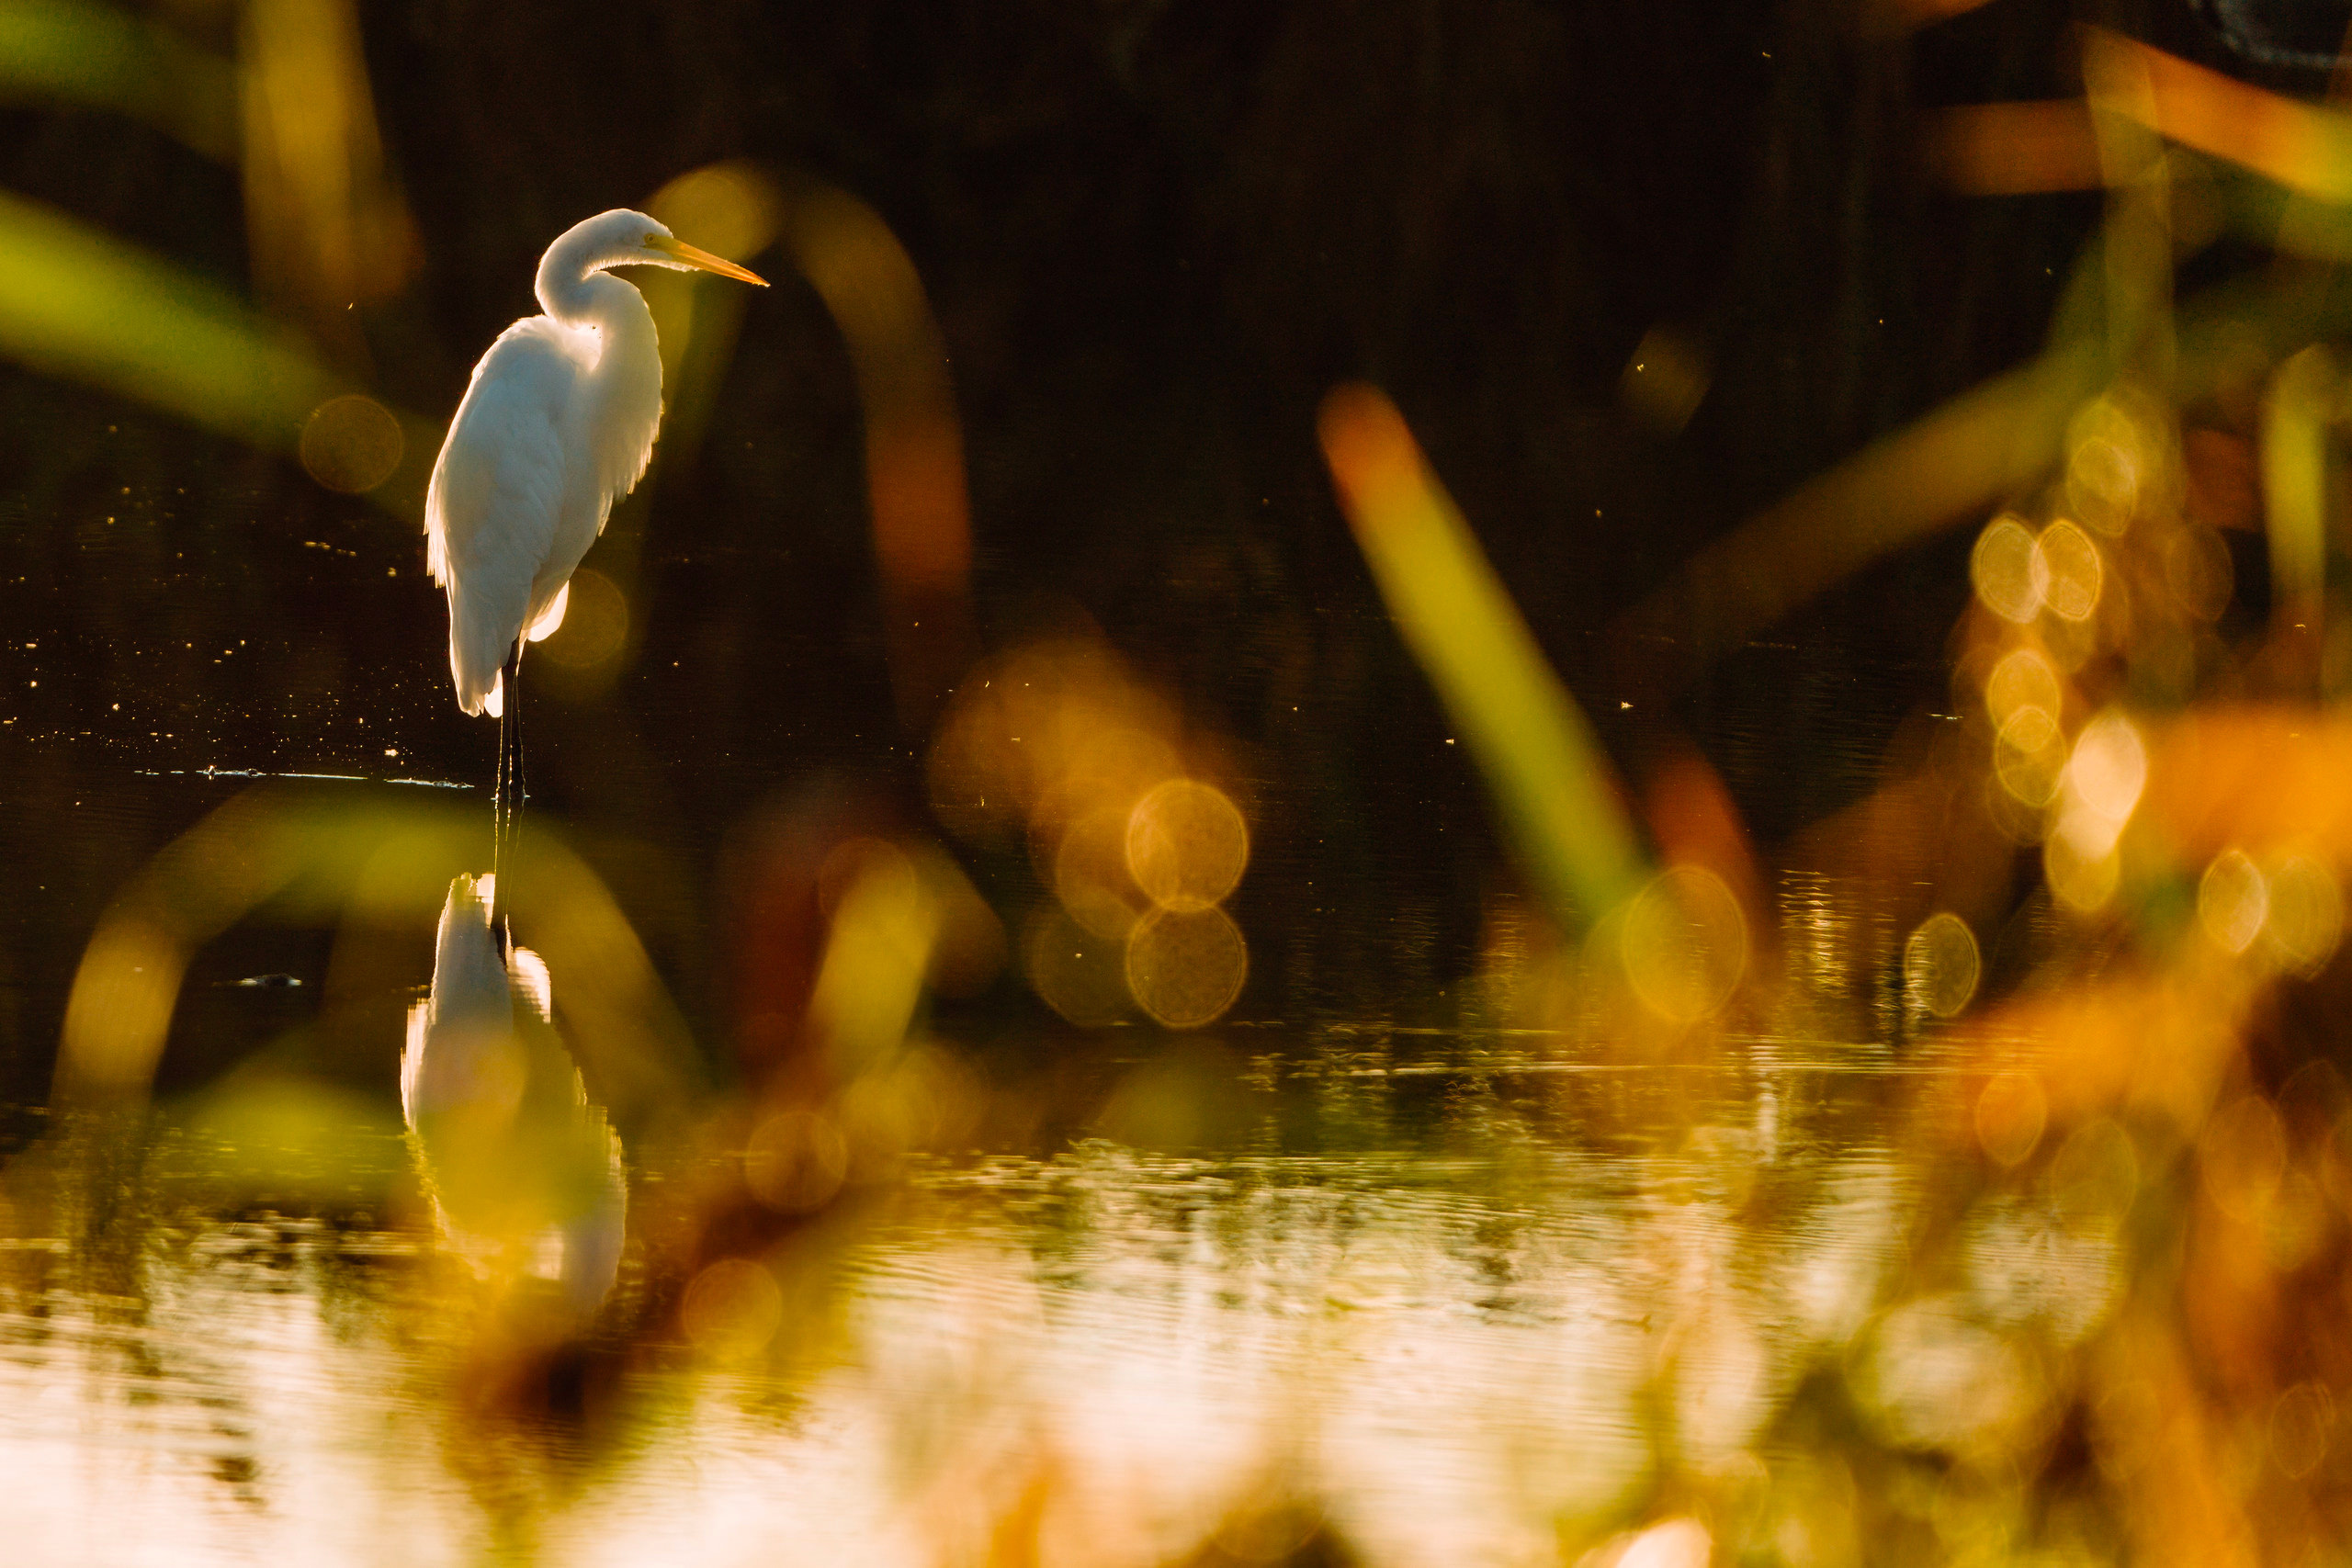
(578, 295)
(619, 405)
(582, 297)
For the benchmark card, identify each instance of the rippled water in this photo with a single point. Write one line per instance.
(1475, 1316)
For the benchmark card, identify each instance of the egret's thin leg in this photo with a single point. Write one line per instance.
(508, 804)
(498, 800)
(498, 811)
(516, 790)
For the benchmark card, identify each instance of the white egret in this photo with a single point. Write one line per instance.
(557, 424)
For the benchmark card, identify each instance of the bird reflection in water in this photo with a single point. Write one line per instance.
(523, 1171)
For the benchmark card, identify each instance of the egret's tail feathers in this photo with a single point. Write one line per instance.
(478, 692)
(482, 628)
(550, 618)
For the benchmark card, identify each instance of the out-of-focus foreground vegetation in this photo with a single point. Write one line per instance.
(1844, 782)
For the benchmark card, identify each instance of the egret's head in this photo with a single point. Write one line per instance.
(622, 238)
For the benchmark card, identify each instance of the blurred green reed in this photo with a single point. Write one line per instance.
(2304, 402)
(80, 305)
(102, 57)
(1524, 730)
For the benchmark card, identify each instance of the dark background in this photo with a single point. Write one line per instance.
(1154, 233)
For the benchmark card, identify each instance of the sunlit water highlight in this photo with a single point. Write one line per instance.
(1445, 1342)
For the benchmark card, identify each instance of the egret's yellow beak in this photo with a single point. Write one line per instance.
(703, 259)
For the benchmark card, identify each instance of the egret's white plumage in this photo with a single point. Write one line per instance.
(557, 424)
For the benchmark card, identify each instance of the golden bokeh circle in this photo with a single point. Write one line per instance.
(1078, 974)
(795, 1161)
(2103, 483)
(2022, 680)
(595, 623)
(2007, 571)
(2233, 900)
(731, 209)
(2082, 871)
(2199, 571)
(1187, 844)
(2306, 915)
(1185, 966)
(2118, 462)
(2300, 1421)
(2242, 1154)
(1685, 941)
(2011, 1114)
(2095, 1176)
(2029, 756)
(2108, 767)
(351, 443)
(2072, 568)
(733, 1307)
(1090, 874)
(1940, 965)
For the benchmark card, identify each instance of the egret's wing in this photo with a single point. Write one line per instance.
(498, 488)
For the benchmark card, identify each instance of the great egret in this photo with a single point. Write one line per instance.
(557, 424)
